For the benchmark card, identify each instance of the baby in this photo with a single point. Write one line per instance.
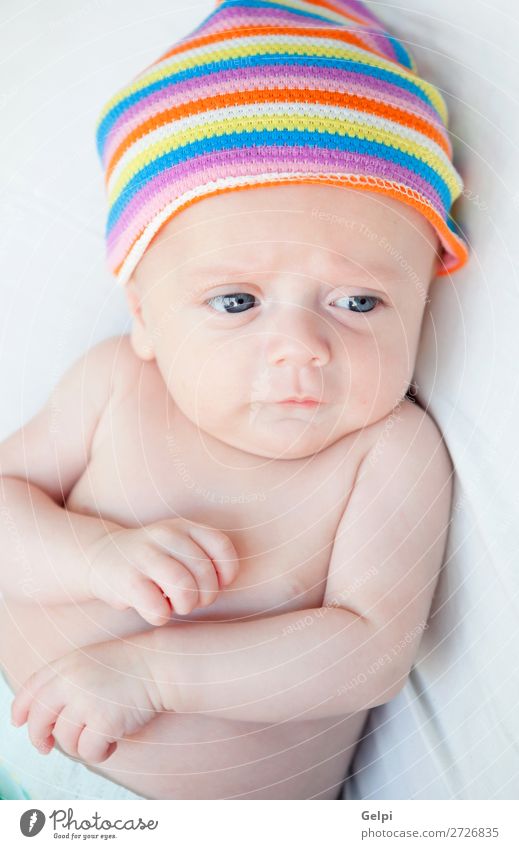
(236, 521)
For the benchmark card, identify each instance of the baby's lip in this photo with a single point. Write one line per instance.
(305, 400)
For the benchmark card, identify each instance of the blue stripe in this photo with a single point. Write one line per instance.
(273, 137)
(251, 61)
(455, 227)
(402, 54)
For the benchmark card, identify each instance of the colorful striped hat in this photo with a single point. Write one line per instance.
(263, 93)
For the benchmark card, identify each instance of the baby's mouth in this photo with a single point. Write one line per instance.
(301, 402)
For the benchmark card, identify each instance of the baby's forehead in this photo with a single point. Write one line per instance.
(283, 206)
(305, 225)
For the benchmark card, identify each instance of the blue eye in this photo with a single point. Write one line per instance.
(237, 302)
(358, 303)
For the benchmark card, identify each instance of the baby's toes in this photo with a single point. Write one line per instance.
(42, 718)
(27, 694)
(67, 730)
(95, 747)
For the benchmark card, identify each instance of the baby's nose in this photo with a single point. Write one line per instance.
(298, 339)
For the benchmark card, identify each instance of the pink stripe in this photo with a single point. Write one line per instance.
(179, 179)
(375, 27)
(371, 31)
(358, 9)
(228, 81)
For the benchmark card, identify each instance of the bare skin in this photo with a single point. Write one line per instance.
(185, 420)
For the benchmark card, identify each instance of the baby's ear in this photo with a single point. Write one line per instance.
(140, 337)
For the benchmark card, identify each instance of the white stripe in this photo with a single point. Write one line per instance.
(231, 113)
(233, 42)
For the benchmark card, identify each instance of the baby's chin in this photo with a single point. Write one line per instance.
(287, 438)
(286, 432)
(291, 433)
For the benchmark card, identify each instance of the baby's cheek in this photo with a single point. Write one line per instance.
(208, 392)
(378, 386)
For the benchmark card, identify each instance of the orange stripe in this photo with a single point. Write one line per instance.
(437, 222)
(244, 97)
(319, 32)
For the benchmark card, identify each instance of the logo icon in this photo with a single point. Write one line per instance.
(32, 822)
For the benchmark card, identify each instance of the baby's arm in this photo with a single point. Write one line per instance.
(43, 545)
(355, 652)
(67, 557)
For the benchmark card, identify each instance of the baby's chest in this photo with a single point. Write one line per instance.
(283, 538)
(282, 525)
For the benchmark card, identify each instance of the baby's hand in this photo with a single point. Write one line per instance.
(169, 566)
(88, 699)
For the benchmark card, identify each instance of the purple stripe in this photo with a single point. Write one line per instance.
(360, 9)
(246, 12)
(187, 175)
(383, 45)
(234, 16)
(189, 90)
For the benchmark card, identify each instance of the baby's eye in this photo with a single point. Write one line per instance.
(357, 303)
(237, 302)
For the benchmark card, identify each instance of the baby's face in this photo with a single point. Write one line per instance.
(255, 300)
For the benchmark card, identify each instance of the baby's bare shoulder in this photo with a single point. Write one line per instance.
(53, 449)
(408, 430)
(390, 543)
(407, 459)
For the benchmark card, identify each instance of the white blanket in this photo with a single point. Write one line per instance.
(454, 730)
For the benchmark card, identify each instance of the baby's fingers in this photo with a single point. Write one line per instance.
(187, 586)
(220, 550)
(149, 602)
(25, 695)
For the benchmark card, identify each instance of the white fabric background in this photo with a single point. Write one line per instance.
(454, 730)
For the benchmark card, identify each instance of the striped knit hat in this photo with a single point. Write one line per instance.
(263, 93)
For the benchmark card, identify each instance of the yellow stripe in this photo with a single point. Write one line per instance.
(265, 47)
(338, 17)
(338, 126)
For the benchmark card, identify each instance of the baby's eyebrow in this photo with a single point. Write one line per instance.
(335, 266)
